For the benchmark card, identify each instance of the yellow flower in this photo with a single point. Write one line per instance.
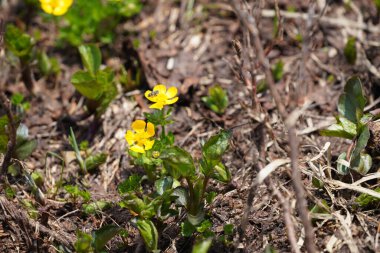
(139, 140)
(160, 96)
(56, 7)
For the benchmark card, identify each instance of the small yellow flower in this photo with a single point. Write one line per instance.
(156, 154)
(139, 140)
(56, 7)
(160, 96)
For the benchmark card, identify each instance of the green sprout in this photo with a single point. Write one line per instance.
(94, 83)
(352, 124)
(217, 99)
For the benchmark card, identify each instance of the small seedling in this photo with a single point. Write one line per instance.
(21, 45)
(352, 124)
(94, 83)
(350, 50)
(217, 99)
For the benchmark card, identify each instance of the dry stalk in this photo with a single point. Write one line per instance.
(250, 23)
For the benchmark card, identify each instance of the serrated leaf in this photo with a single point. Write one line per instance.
(132, 183)
(178, 162)
(149, 233)
(352, 101)
(19, 43)
(91, 58)
(94, 161)
(101, 236)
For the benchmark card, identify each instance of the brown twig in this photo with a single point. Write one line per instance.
(250, 23)
(5, 103)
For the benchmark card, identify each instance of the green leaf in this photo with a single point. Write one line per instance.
(182, 196)
(360, 145)
(95, 207)
(91, 58)
(25, 148)
(94, 161)
(205, 225)
(178, 162)
(343, 128)
(350, 50)
(228, 229)
(163, 184)
(103, 235)
(342, 163)
(149, 233)
(132, 183)
(87, 85)
(19, 43)
(365, 200)
(365, 164)
(187, 229)
(221, 173)
(210, 196)
(278, 70)
(215, 147)
(217, 99)
(202, 247)
(83, 244)
(352, 101)
(37, 178)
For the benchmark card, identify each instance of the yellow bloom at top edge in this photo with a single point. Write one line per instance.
(56, 7)
(139, 139)
(161, 96)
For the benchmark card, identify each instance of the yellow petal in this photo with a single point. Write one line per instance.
(47, 8)
(149, 144)
(157, 105)
(150, 130)
(138, 149)
(151, 98)
(171, 101)
(161, 88)
(59, 11)
(130, 137)
(171, 92)
(138, 126)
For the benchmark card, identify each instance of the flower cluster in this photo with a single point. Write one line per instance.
(139, 139)
(56, 7)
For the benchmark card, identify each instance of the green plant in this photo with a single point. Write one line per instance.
(21, 45)
(350, 50)
(48, 66)
(278, 70)
(179, 180)
(75, 193)
(90, 161)
(95, 20)
(94, 83)
(352, 124)
(217, 99)
(97, 240)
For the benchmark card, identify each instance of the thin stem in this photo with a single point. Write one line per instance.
(190, 205)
